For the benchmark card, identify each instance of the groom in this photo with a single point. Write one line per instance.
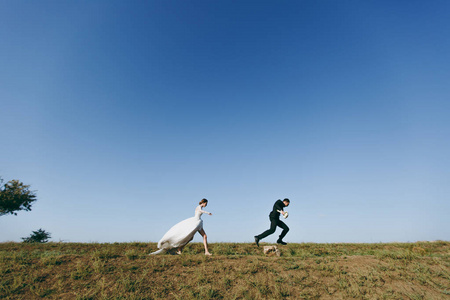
(275, 221)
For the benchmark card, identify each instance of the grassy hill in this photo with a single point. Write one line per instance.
(235, 271)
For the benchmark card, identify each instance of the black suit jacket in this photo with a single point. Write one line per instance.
(274, 214)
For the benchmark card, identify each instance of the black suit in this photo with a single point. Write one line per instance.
(275, 221)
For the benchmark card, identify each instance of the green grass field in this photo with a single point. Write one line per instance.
(235, 271)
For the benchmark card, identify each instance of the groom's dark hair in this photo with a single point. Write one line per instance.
(287, 200)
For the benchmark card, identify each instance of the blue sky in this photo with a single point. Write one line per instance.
(122, 115)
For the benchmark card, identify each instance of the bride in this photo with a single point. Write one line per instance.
(182, 233)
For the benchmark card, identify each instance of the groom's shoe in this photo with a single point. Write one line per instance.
(281, 242)
(257, 241)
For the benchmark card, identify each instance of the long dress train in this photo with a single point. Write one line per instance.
(181, 233)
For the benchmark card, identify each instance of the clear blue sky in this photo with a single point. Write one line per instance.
(122, 115)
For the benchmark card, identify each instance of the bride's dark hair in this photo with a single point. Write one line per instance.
(204, 200)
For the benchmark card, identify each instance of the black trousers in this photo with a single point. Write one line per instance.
(273, 225)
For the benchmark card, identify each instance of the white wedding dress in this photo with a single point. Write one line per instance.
(182, 233)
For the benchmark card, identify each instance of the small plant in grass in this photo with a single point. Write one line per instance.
(51, 261)
(105, 254)
(132, 254)
(81, 271)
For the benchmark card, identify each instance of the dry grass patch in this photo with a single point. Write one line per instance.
(235, 271)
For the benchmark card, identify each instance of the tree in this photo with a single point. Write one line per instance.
(40, 236)
(15, 196)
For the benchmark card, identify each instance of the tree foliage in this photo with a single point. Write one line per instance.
(39, 236)
(15, 196)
